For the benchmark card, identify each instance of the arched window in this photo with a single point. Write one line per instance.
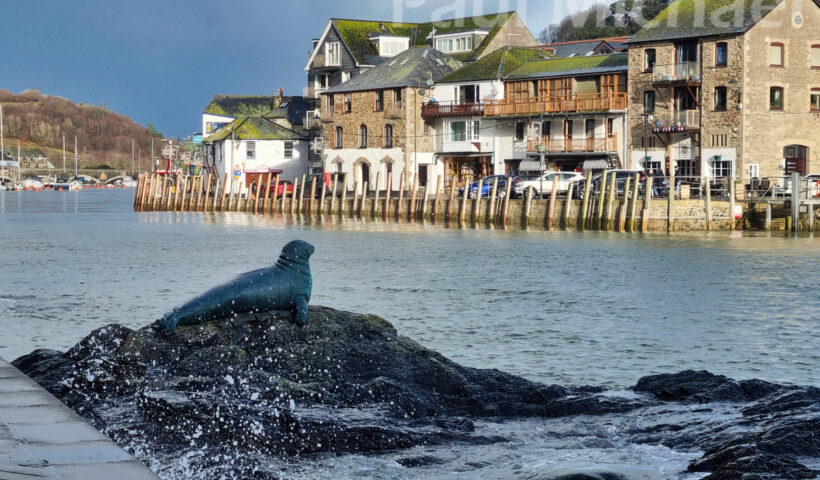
(388, 136)
(363, 136)
(338, 140)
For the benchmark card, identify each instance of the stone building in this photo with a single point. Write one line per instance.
(373, 124)
(727, 88)
(348, 48)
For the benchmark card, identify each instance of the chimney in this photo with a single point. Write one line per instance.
(281, 92)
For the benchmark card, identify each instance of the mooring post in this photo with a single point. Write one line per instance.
(153, 190)
(477, 204)
(708, 204)
(412, 214)
(436, 203)
(585, 203)
(796, 202)
(376, 199)
(553, 200)
(462, 213)
(239, 202)
(568, 205)
(332, 207)
(610, 202)
(354, 211)
(599, 211)
(363, 204)
(527, 208)
(138, 193)
(344, 194)
(179, 192)
(207, 193)
(399, 207)
(490, 214)
(267, 193)
(624, 202)
(507, 193)
(224, 193)
(633, 209)
(810, 207)
(425, 199)
(324, 194)
(293, 197)
(275, 194)
(166, 193)
(732, 187)
(198, 188)
(312, 200)
(768, 216)
(388, 192)
(647, 204)
(451, 201)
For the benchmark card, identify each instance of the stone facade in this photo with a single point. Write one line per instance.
(413, 145)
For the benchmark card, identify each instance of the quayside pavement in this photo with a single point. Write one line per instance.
(40, 438)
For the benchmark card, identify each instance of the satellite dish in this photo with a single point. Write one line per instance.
(422, 91)
(430, 82)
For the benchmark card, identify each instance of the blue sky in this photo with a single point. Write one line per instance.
(161, 61)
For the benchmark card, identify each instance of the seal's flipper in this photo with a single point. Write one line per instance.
(169, 322)
(300, 311)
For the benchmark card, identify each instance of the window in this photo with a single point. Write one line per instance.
(388, 136)
(648, 142)
(333, 54)
(427, 128)
(721, 54)
(520, 128)
(378, 103)
(815, 56)
(569, 125)
(720, 140)
(397, 97)
(346, 76)
(649, 59)
(686, 168)
(288, 149)
(348, 102)
(322, 81)
(546, 129)
(815, 99)
(720, 167)
(776, 55)
(465, 131)
(649, 101)
(250, 150)
(338, 140)
(459, 44)
(363, 136)
(720, 99)
(754, 170)
(649, 164)
(331, 103)
(776, 98)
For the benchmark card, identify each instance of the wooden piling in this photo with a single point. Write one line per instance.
(196, 187)
(585, 202)
(294, 196)
(179, 196)
(324, 194)
(811, 217)
(477, 204)
(424, 203)
(400, 207)
(491, 206)
(312, 199)
(363, 203)
(462, 213)
(647, 204)
(768, 216)
(300, 206)
(276, 194)
(732, 204)
(610, 202)
(451, 201)
(159, 194)
(527, 208)
(239, 203)
(146, 192)
(633, 210)
(507, 194)
(375, 209)
(150, 202)
(138, 194)
(333, 193)
(224, 193)
(258, 194)
(355, 199)
(568, 205)
(795, 203)
(412, 213)
(599, 212)
(267, 193)
(708, 204)
(624, 203)
(207, 193)
(553, 200)
(670, 202)
(344, 195)
(436, 204)
(388, 192)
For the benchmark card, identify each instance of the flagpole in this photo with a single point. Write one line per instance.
(2, 147)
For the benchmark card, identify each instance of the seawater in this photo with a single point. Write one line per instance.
(557, 307)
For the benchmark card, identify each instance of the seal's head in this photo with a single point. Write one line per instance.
(296, 253)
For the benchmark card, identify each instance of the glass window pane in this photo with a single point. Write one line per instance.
(815, 57)
(776, 55)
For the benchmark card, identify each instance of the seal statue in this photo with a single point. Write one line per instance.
(285, 286)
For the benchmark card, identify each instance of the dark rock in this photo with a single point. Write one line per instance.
(591, 476)
(422, 461)
(692, 386)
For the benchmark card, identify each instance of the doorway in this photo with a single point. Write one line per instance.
(796, 159)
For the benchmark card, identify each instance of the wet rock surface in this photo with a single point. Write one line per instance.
(240, 392)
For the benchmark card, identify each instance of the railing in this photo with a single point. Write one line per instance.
(676, 72)
(582, 102)
(394, 112)
(680, 121)
(452, 109)
(569, 145)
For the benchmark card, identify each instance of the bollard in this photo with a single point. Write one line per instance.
(553, 199)
(412, 214)
(387, 194)
(585, 202)
(633, 211)
(436, 204)
(647, 204)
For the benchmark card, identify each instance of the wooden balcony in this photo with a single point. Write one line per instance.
(681, 121)
(574, 145)
(687, 73)
(452, 109)
(584, 102)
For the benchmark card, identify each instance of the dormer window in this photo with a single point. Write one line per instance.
(457, 44)
(390, 46)
(333, 54)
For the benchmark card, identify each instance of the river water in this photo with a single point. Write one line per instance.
(565, 307)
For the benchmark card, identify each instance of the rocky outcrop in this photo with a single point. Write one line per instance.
(253, 386)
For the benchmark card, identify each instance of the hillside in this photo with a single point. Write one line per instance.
(39, 122)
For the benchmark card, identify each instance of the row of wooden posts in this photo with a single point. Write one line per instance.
(607, 210)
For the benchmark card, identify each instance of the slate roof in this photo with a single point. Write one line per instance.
(583, 48)
(498, 64)
(293, 109)
(412, 67)
(703, 18)
(255, 128)
(568, 67)
(357, 33)
(241, 105)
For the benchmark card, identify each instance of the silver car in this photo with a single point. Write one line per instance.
(541, 185)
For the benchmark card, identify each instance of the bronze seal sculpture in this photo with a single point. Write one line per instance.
(287, 285)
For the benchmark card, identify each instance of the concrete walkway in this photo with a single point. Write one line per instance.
(40, 438)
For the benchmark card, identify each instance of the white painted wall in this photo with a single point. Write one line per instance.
(269, 154)
(375, 157)
(488, 90)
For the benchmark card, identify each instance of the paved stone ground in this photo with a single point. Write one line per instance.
(40, 438)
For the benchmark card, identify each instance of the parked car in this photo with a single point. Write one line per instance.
(487, 186)
(323, 181)
(541, 185)
(620, 180)
(284, 186)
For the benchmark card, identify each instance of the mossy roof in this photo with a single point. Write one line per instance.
(241, 105)
(703, 18)
(255, 128)
(498, 64)
(567, 67)
(412, 67)
(357, 33)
